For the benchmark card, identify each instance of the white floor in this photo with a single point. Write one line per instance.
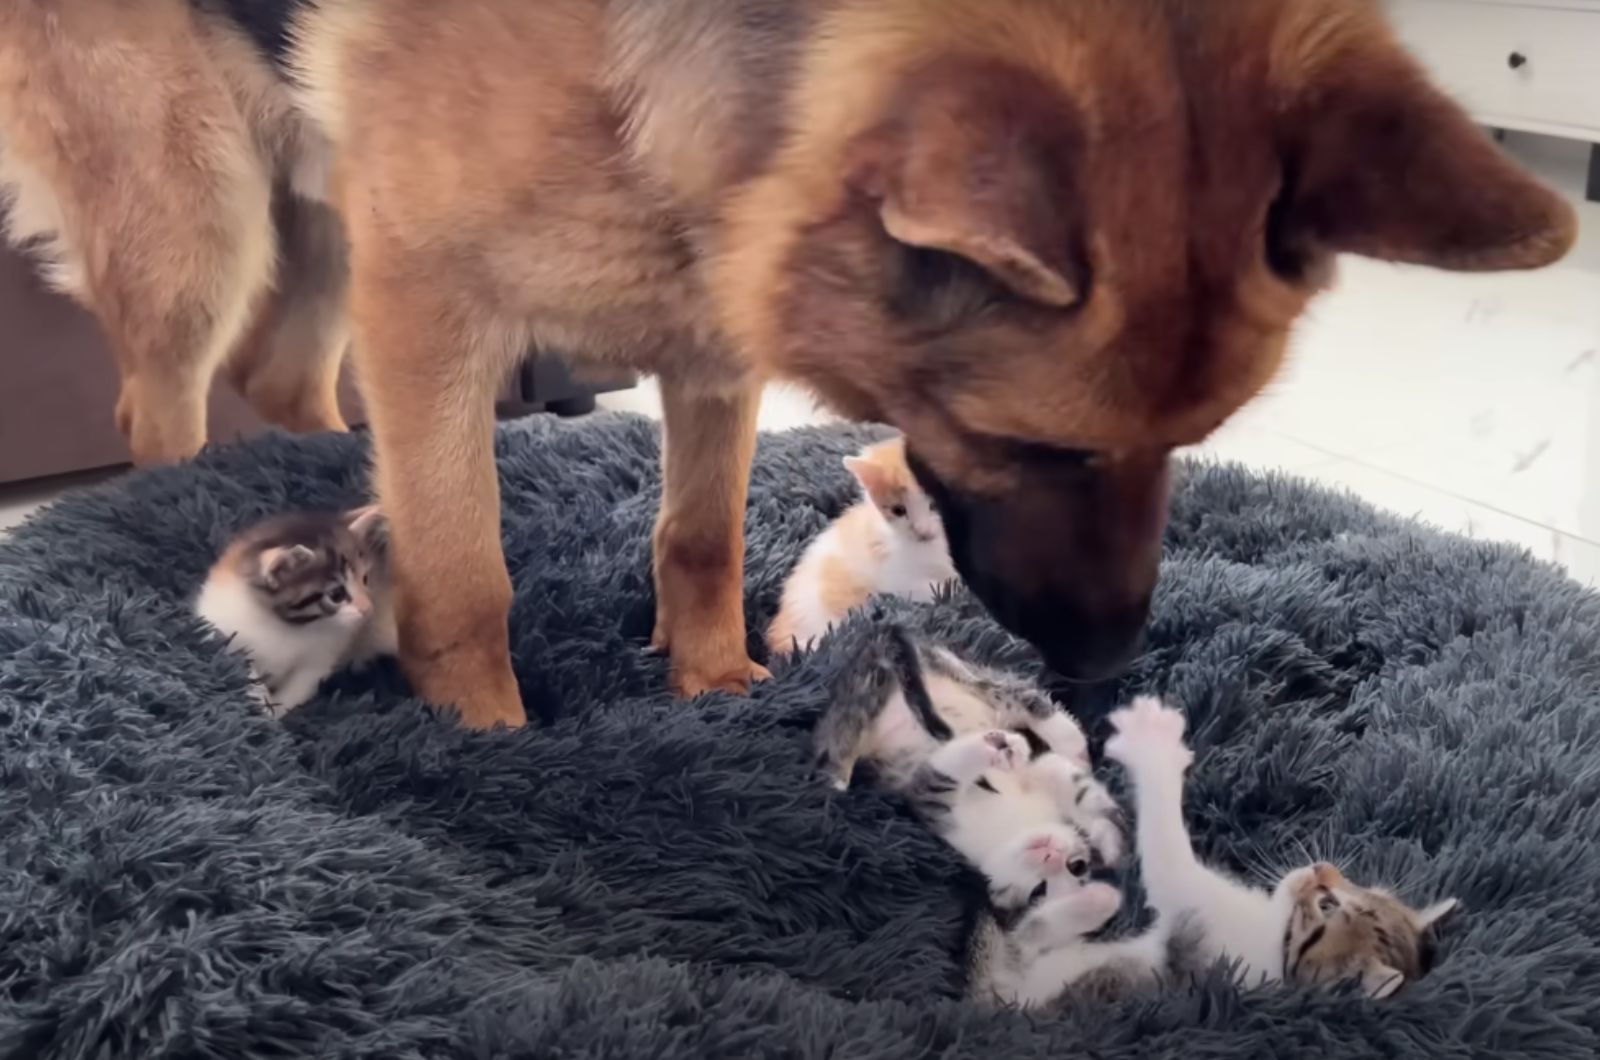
(1470, 402)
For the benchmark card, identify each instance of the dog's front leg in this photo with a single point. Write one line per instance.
(710, 437)
(428, 380)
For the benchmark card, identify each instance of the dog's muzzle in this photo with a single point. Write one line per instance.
(1067, 558)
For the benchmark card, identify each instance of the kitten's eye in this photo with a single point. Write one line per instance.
(898, 511)
(1327, 904)
(339, 594)
(1078, 867)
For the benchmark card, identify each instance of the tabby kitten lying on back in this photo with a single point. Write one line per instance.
(990, 763)
(304, 594)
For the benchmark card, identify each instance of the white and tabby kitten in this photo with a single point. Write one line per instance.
(987, 760)
(1314, 926)
(304, 594)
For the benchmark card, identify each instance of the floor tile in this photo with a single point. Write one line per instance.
(1581, 558)
(1255, 446)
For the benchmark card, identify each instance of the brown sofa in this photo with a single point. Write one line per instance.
(58, 386)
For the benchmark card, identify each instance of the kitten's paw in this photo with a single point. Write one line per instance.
(1105, 836)
(1148, 734)
(968, 757)
(1006, 750)
(1063, 735)
(1081, 910)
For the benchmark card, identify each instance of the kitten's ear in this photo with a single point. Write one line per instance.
(1379, 981)
(370, 527)
(278, 563)
(871, 474)
(1436, 912)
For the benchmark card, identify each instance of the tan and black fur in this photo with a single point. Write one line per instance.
(1048, 239)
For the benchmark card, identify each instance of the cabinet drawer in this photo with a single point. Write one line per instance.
(1515, 65)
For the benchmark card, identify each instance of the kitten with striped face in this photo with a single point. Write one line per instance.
(988, 761)
(1314, 926)
(304, 595)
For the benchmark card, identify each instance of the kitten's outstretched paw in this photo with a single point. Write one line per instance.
(1149, 734)
(1076, 911)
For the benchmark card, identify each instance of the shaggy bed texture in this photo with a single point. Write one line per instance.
(638, 877)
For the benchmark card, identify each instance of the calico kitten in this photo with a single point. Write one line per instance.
(304, 595)
(892, 541)
(988, 761)
(1314, 927)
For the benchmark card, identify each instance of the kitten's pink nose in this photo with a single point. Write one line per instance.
(1326, 875)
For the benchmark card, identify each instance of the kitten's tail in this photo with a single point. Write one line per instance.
(887, 660)
(906, 658)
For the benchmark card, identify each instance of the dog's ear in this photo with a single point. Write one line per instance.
(1380, 163)
(975, 160)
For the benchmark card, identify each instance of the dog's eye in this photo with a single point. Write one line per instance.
(1286, 251)
(338, 594)
(1022, 450)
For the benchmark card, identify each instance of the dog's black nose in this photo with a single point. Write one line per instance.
(1079, 647)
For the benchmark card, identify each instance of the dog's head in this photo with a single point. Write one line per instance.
(1052, 241)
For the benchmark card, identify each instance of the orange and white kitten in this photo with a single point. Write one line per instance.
(892, 541)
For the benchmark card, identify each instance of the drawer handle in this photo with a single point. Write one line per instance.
(1517, 61)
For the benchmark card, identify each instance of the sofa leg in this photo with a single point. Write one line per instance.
(578, 405)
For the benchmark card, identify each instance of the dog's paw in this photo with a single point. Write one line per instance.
(1149, 735)
(690, 681)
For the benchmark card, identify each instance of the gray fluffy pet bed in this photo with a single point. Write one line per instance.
(642, 877)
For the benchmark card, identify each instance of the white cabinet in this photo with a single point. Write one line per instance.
(1532, 65)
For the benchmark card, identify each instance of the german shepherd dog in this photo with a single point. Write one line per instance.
(1050, 240)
